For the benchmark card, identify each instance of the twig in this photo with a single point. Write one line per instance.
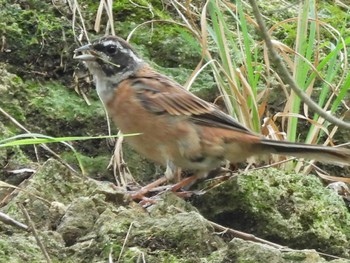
(282, 70)
(245, 236)
(35, 233)
(250, 237)
(125, 240)
(239, 234)
(10, 221)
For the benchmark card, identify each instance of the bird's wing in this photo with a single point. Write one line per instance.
(161, 95)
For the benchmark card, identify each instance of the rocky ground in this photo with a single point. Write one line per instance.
(79, 219)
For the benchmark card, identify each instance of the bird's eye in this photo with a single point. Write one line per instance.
(111, 49)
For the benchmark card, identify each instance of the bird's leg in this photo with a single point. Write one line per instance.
(169, 174)
(189, 181)
(171, 170)
(140, 194)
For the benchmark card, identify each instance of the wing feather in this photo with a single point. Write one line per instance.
(161, 95)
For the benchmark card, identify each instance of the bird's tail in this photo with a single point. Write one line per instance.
(334, 155)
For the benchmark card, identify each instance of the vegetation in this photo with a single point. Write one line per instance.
(48, 109)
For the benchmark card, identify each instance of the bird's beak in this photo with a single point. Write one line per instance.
(87, 49)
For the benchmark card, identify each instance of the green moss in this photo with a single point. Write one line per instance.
(16, 248)
(53, 109)
(32, 30)
(10, 84)
(241, 251)
(194, 240)
(57, 102)
(109, 247)
(288, 208)
(54, 181)
(95, 167)
(170, 46)
(165, 256)
(102, 225)
(147, 10)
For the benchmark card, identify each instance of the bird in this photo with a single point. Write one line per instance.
(177, 129)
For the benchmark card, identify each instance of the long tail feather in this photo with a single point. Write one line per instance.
(334, 155)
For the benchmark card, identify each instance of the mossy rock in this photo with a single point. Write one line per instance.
(241, 251)
(87, 220)
(289, 209)
(15, 166)
(33, 30)
(11, 99)
(83, 220)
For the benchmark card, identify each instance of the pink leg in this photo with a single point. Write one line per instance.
(139, 195)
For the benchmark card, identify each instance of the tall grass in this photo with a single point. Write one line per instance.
(316, 57)
(236, 72)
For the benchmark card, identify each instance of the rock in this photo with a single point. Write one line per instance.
(78, 220)
(288, 209)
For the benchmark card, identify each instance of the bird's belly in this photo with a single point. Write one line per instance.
(162, 137)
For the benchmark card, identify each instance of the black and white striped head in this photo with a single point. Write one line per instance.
(109, 57)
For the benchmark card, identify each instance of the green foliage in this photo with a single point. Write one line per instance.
(239, 90)
(313, 50)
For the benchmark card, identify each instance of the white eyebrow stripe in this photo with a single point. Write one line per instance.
(111, 42)
(122, 49)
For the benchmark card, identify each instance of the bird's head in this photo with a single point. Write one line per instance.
(109, 57)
